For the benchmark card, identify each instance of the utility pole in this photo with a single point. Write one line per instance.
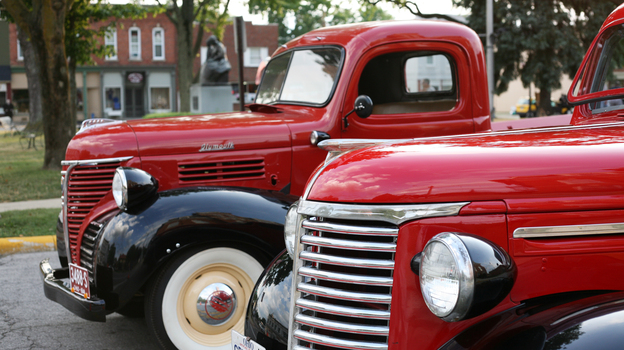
(489, 51)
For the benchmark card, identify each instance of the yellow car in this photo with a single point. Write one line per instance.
(522, 107)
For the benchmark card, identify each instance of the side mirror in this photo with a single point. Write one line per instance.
(363, 107)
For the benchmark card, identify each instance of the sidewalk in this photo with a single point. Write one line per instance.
(28, 244)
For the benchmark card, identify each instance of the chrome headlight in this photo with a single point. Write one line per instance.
(462, 276)
(133, 188)
(290, 229)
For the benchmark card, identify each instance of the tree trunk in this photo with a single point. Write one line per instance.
(544, 107)
(44, 23)
(185, 69)
(72, 91)
(35, 118)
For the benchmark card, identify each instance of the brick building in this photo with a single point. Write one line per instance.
(142, 77)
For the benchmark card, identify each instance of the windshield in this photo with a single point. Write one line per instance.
(301, 77)
(604, 71)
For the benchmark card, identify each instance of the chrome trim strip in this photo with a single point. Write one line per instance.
(339, 343)
(348, 229)
(568, 231)
(394, 214)
(342, 310)
(344, 294)
(343, 277)
(352, 262)
(95, 161)
(342, 326)
(346, 244)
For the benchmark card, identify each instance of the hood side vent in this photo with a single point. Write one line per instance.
(224, 170)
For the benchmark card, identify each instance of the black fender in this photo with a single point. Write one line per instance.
(134, 245)
(268, 310)
(574, 320)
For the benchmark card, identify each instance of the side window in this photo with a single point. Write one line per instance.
(410, 82)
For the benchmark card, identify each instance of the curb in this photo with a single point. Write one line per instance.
(27, 244)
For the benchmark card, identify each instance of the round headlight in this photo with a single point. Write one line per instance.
(290, 229)
(447, 277)
(120, 188)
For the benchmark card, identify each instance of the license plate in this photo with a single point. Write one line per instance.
(241, 342)
(79, 280)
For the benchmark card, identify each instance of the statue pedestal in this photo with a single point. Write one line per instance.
(211, 99)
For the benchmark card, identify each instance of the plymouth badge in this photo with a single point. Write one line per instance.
(206, 147)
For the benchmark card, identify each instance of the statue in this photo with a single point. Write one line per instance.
(215, 71)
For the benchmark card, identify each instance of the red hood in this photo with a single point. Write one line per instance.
(109, 140)
(547, 164)
(183, 135)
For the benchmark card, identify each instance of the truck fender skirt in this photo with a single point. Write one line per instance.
(270, 300)
(93, 309)
(131, 247)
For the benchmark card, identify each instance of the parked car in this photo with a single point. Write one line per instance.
(501, 240)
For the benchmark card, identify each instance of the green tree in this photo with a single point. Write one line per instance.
(539, 40)
(43, 22)
(297, 17)
(192, 19)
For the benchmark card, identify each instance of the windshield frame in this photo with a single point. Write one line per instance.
(307, 48)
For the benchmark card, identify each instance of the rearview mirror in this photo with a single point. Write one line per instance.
(363, 107)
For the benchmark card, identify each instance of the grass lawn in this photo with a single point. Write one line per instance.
(25, 223)
(21, 175)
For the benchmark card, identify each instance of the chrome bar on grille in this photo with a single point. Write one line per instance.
(338, 343)
(344, 277)
(341, 326)
(342, 310)
(348, 229)
(335, 260)
(346, 244)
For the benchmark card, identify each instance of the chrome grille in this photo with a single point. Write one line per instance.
(343, 284)
(88, 247)
(226, 170)
(86, 185)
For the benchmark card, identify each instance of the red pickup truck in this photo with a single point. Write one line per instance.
(177, 217)
(502, 240)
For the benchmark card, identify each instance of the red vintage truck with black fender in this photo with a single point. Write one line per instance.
(177, 217)
(502, 240)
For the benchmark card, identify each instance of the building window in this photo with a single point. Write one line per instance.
(159, 97)
(111, 44)
(113, 99)
(20, 54)
(158, 44)
(255, 55)
(135, 43)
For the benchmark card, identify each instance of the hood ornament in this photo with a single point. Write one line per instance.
(206, 147)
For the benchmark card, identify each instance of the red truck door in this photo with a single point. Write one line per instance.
(418, 89)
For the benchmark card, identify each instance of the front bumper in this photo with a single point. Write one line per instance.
(56, 288)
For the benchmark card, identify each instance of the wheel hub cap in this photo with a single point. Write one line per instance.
(216, 304)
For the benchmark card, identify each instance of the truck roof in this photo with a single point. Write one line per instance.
(369, 34)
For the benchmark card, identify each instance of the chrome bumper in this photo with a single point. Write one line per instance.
(56, 288)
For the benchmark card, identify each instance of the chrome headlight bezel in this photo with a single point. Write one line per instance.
(120, 188)
(290, 229)
(464, 277)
